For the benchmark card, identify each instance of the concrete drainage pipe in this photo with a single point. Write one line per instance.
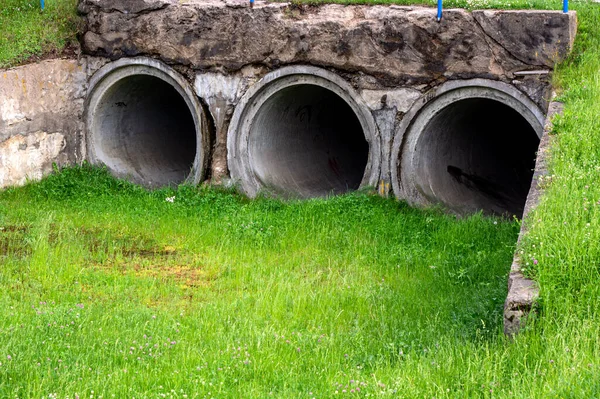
(303, 132)
(145, 123)
(472, 147)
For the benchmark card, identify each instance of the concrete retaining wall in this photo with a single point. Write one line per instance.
(390, 62)
(41, 108)
(522, 291)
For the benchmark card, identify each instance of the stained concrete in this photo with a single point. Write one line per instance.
(388, 60)
(221, 92)
(41, 106)
(395, 45)
(30, 157)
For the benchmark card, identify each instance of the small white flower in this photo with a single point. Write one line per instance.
(170, 199)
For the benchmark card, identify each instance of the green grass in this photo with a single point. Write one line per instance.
(25, 30)
(562, 250)
(260, 299)
(112, 289)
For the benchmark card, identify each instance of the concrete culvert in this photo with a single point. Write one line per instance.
(302, 136)
(144, 125)
(307, 141)
(473, 149)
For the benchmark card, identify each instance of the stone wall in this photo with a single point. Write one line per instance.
(392, 45)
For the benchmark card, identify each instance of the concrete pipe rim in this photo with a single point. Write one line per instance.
(240, 165)
(117, 71)
(406, 135)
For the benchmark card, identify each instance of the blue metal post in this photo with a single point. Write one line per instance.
(565, 6)
(42, 4)
(251, 3)
(439, 10)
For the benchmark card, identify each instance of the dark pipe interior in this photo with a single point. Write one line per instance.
(306, 141)
(145, 130)
(477, 154)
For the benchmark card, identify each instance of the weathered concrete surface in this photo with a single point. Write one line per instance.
(29, 157)
(537, 86)
(40, 118)
(523, 34)
(221, 92)
(303, 132)
(391, 55)
(396, 45)
(522, 291)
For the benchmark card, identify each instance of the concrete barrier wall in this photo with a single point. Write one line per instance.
(376, 70)
(41, 108)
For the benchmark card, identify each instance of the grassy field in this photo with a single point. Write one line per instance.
(112, 291)
(109, 289)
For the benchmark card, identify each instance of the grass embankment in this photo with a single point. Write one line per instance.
(109, 289)
(26, 31)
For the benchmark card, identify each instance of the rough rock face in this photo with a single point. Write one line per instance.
(40, 118)
(524, 34)
(397, 45)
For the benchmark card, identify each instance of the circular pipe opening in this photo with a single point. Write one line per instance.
(477, 154)
(472, 149)
(144, 126)
(146, 129)
(302, 132)
(306, 141)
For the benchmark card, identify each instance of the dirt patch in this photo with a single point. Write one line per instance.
(13, 229)
(71, 51)
(13, 241)
(143, 256)
(184, 272)
(111, 244)
(184, 276)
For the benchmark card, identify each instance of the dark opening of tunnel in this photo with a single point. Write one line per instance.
(477, 154)
(145, 130)
(306, 141)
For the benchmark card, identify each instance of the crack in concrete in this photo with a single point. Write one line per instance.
(488, 36)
